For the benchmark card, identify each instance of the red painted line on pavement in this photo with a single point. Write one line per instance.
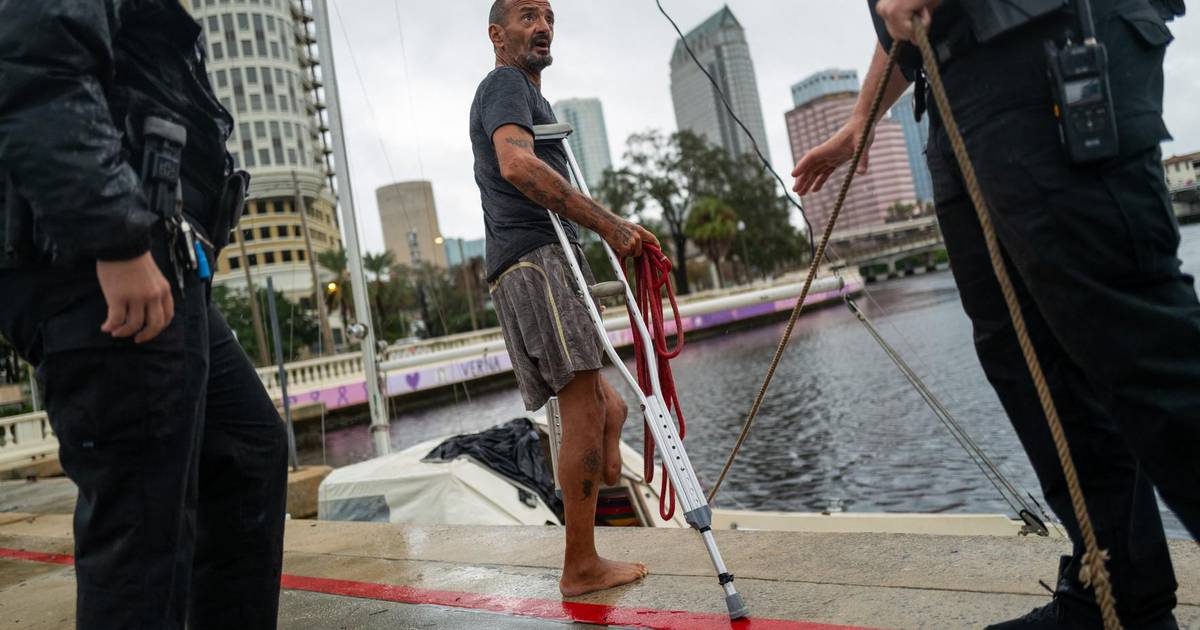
(580, 612)
(37, 556)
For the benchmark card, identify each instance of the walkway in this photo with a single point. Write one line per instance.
(348, 575)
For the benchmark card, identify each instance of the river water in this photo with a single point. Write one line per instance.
(841, 426)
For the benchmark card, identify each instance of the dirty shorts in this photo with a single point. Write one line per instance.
(546, 326)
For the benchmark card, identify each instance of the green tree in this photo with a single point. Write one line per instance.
(340, 297)
(770, 241)
(900, 211)
(378, 265)
(712, 225)
(299, 329)
(620, 192)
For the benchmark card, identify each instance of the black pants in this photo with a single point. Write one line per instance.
(1116, 324)
(179, 455)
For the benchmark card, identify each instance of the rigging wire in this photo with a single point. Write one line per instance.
(833, 255)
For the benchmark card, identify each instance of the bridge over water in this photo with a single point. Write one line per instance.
(889, 250)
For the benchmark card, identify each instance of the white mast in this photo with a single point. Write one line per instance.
(379, 419)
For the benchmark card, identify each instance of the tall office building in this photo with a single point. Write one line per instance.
(916, 136)
(589, 143)
(410, 224)
(263, 67)
(720, 45)
(823, 103)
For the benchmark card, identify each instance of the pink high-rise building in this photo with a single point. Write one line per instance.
(823, 103)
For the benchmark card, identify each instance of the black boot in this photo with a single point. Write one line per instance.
(1074, 608)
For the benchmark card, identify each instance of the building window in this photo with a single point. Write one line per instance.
(301, 256)
(235, 262)
(271, 23)
(286, 255)
(264, 156)
(264, 232)
(260, 129)
(247, 236)
(269, 258)
(283, 104)
(268, 89)
(296, 230)
(248, 149)
(243, 21)
(239, 90)
(255, 103)
(244, 130)
(287, 129)
(247, 48)
(222, 78)
(251, 75)
(214, 24)
(291, 156)
(217, 53)
(283, 207)
(275, 50)
(260, 36)
(252, 260)
(230, 35)
(265, 207)
(281, 231)
(226, 103)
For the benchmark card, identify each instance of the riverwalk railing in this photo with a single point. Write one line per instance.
(337, 381)
(26, 438)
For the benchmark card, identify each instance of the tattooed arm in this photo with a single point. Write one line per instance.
(544, 186)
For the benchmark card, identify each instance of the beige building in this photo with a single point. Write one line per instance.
(1181, 171)
(263, 66)
(410, 224)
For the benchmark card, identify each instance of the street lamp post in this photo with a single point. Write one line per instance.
(741, 226)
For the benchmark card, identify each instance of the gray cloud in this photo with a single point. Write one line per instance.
(614, 50)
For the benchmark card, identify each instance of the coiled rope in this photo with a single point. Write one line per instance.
(652, 274)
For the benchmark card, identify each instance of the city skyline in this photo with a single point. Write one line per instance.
(411, 123)
(720, 45)
(411, 230)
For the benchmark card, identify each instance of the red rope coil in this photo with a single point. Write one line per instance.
(652, 274)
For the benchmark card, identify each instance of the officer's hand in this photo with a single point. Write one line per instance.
(138, 296)
(899, 14)
(818, 164)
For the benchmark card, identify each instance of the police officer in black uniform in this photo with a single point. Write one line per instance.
(108, 128)
(1092, 249)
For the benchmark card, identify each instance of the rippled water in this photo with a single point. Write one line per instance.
(841, 425)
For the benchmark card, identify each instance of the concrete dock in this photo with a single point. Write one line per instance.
(365, 575)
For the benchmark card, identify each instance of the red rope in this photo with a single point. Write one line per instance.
(651, 274)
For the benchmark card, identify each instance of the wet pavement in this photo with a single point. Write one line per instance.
(362, 575)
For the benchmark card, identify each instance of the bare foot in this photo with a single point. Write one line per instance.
(598, 575)
(612, 445)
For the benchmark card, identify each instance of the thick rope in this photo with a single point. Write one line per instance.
(818, 256)
(651, 274)
(1093, 573)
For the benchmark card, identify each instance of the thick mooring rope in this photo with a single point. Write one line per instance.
(1094, 572)
(818, 256)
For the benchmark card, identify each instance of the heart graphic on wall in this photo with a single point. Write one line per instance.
(412, 379)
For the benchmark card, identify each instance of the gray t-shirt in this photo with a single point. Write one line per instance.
(513, 224)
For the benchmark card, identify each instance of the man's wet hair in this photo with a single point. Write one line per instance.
(499, 12)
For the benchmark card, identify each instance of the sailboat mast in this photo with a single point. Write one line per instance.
(379, 419)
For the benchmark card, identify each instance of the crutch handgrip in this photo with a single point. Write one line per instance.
(612, 288)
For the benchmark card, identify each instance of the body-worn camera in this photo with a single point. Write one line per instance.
(1083, 100)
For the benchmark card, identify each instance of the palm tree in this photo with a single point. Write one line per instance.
(712, 225)
(378, 265)
(340, 297)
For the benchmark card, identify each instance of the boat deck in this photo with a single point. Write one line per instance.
(366, 575)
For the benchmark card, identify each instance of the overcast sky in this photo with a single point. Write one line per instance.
(614, 50)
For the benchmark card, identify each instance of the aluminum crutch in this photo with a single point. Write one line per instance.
(658, 418)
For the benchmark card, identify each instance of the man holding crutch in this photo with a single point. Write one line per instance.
(547, 330)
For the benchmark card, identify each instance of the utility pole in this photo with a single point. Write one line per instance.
(468, 285)
(326, 331)
(260, 335)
